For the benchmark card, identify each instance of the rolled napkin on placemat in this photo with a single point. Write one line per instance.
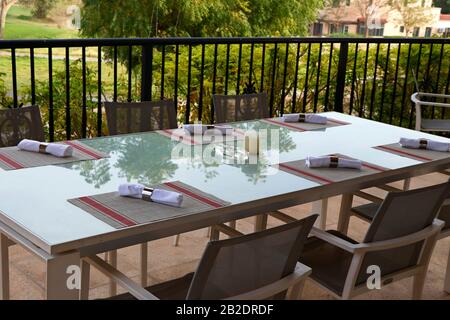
(201, 128)
(425, 144)
(55, 149)
(139, 191)
(332, 162)
(305, 117)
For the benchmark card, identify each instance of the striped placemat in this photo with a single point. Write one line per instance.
(328, 175)
(303, 126)
(184, 137)
(12, 158)
(422, 155)
(120, 212)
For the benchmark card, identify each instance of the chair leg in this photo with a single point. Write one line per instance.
(261, 222)
(295, 293)
(232, 224)
(4, 267)
(418, 284)
(144, 263)
(208, 232)
(447, 275)
(176, 240)
(406, 184)
(85, 279)
(215, 234)
(345, 213)
(112, 260)
(321, 208)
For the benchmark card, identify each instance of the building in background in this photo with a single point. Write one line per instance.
(418, 18)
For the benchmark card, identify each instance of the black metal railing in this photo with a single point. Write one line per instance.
(70, 79)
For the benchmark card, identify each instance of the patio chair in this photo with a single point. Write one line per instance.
(256, 266)
(399, 241)
(20, 123)
(368, 211)
(245, 107)
(132, 117)
(436, 125)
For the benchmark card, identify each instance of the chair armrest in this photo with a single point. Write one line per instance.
(125, 282)
(415, 98)
(435, 228)
(332, 239)
(300, 273)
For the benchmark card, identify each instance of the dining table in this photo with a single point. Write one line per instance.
(64, 211)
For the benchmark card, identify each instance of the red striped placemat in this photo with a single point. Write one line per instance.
(303, 126)
(120, 212)
(422, 155)
(12, 158)
(328, 175)
(184, 137)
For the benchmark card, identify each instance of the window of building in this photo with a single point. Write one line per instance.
(361, 28)
(428, 32)
(345, 29)
(347, 2)
(402, 29)
(336, 3)
(333, 28)
(377, 32)
(416, 31)
(317, 29)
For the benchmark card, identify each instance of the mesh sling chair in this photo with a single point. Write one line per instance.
(20, 123)
(255, 266)
(367, 213)
(399, 241)
(132, 117)
(245, 107)
(231, 108)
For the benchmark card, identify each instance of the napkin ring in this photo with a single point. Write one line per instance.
(423, 144)
(43, 148)
(147, 194)
(334, 162)
(301, 117)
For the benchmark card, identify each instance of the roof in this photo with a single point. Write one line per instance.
(445, 17)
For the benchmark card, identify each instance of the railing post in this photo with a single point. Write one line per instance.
(340, 80)
(146, 76)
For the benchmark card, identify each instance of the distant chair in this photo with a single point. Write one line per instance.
(430, 125)
(231, 108)
(20, 123)
(399, 242)
(261, 265)
(132, 117)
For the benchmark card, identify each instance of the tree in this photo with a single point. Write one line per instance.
(201, 18)
(444, 4)
(41, 8)
(5, 5)
(411, 14)
(370, 11)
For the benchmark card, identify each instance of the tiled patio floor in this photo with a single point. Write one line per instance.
(167, 261)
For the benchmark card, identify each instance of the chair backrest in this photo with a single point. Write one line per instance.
(239, 265)
(402, 214)
(131, 117)
(20, 123)
(240, 107)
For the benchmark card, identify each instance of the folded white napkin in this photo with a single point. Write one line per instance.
(326, 162)
(56, 149)
(305, 117)
(166, 197)
(201, 128)
(425, 144)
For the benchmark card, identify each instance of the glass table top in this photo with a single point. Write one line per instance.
(36, 198)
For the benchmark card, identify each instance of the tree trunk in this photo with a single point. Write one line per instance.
(5, 5)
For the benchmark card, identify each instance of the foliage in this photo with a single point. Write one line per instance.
(41, 8)
(444, 4)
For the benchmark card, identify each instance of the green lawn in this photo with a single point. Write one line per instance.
(21, 25)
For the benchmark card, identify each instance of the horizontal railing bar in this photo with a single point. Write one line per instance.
(45, 43)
